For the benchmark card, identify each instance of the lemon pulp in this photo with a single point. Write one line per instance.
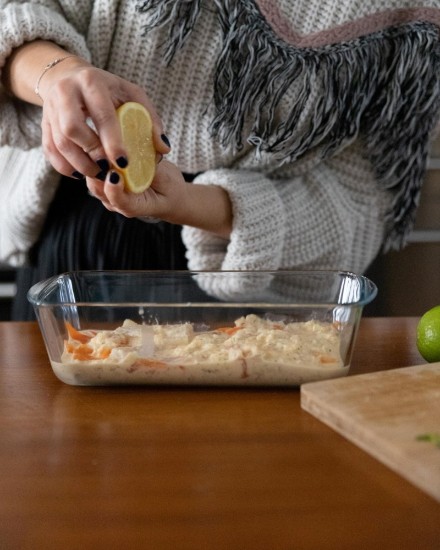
(137, 136)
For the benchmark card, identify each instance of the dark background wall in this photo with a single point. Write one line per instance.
(409, 280)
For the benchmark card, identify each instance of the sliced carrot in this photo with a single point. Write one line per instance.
(228, 330)
(326, 359)
(76, 334)
(104, 353)
(83, 352)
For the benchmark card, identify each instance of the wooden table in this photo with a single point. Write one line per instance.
(205, 468)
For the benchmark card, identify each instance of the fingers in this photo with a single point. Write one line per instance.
(69, 142)
(113, 196)
(109, 131)
(76, 147)
(70, 159)
(160, 201)
(102, 110)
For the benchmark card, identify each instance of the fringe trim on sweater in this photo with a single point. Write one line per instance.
(383, 87)
(181, 15)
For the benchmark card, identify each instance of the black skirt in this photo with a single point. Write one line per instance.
(79, 233)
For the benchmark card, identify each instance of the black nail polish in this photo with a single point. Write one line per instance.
(101, 175)
(165, 139)
(122, 162)
(103, 164)
(114, 177)
(77, 175)
(105, 167)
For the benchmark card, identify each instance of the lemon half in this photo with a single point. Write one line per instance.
(137, 136)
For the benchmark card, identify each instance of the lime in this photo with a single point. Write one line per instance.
(428, 335)
(137, 135)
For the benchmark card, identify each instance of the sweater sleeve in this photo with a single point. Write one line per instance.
(331, 216)
(22, 22)
(28, 184)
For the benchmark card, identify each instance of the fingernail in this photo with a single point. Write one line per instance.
(101, 175)
(103, 164)
(77, 175)
(122, 162)
(114, 177)
(165, 139)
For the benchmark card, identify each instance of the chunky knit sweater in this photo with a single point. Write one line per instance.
(314, 115)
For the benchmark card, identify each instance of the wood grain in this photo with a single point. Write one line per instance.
(194, 468)
(384, 413)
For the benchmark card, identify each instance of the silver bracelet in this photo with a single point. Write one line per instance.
(148, 219)
(46, 68)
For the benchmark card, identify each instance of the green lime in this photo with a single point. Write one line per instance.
(428, 335)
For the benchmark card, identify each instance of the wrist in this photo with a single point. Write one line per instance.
(53, 70)
(26, 64)
(48, 67)
(206, 207)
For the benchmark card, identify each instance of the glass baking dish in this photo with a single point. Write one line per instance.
(245, 328)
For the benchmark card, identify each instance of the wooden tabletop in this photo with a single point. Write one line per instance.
(194, 468)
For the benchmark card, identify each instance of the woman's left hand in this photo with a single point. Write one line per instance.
(158, 201)
(169, 198)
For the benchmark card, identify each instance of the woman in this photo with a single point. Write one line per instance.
(305, 126)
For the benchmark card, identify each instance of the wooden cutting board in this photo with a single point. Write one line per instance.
(385, 413)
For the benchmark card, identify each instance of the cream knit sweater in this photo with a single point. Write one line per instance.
(298, 203)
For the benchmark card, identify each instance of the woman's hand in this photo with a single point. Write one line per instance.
(76, 93)
(160, 200)
(169, 198)
(73, 93)
(82, 92)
